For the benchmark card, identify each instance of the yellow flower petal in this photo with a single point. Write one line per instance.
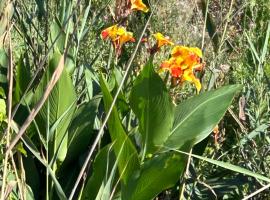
(138, 5)
(197, 84)
(189, 76)
(110, 32)
(197, 51)
(118, 35)
(162, 40)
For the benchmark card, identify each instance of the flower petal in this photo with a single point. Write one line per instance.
(162, 40)
(138, 5)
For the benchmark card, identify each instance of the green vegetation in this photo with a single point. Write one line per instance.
(94, 110)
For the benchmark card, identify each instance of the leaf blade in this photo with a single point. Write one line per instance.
(151, 103)
(123, 147)
(196, 117)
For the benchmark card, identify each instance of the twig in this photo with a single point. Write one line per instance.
(185, 175)
(243, 129)
(256, 192)
(10, 79)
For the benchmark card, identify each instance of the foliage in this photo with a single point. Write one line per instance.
(96, 103)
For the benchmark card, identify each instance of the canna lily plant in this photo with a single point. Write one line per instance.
(149, 164)
(137, 158)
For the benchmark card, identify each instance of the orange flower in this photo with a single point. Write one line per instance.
(110, 32)
(118, 35)
(138, 5)
(185, 51)
(182, 64)
(162, 40)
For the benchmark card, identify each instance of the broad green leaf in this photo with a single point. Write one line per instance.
(31, 174)
(123, 147)
(196, 117)
(57, 35)
(157, 174)
(33, 149)
(102, 167)
(151, 103)
(106, 188)
(81, 129)
(229, 166)
(60, 99)
(22, 78)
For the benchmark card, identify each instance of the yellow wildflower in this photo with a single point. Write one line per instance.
(138, 5)
(162, 40)
(118, 35)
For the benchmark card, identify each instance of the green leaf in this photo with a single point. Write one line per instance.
(3, 65)
(2, 110)
(41, 8)
(57, 34)
(151, 103)
(196, 117)
(102, 167)
(61, 98)
(260, 129)
(29, 193)
(81, 129)
(31, 174)
(2, 93)
(33, 149)
(22, 78)
(229, 166)
(124, 149)
(3, 58)
(157, 174)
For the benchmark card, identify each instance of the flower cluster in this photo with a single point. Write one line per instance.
(118, 35)
(183, 63)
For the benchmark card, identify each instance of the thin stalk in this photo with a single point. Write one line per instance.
(17, 177)
(47, 151)
(10, 87)
(184, 177)
(257, 192)
(225, 28)
(205, 22)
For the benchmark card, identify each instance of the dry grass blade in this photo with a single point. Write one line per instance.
(55, 77)
(10, 86)
(257, 192)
